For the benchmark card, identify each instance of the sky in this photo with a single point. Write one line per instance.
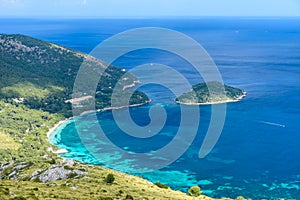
(147, 8)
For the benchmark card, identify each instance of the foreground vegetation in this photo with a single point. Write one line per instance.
(91, 187)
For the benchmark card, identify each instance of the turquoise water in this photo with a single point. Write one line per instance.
(257, 155)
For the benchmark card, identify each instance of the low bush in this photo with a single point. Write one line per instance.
(161, 185)
(110, 178)
(72, 175)
(66, 167)
(195, 191)
(129, 197)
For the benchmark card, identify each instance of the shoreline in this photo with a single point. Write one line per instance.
(51, 131)
(58, 124)
(112, 108)
(214, 102)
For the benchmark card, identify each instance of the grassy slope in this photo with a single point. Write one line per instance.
(7, 142)
(92, 187)
(27, 127)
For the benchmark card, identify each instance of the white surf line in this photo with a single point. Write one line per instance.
(273, 124)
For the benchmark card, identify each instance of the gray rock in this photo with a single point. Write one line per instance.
(20, 166)
(56, 172)
(12, 169)
(36, 173)
(12, 174)
(73, 188)
(69, 162)
(3, 167)
(6, 165)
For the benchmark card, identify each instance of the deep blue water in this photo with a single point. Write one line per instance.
(257, 155)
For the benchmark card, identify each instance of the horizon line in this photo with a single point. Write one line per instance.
(143, 17)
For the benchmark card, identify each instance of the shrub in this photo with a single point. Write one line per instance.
(82, 169)
(26, 178)
(161, 185)
(4, 191)
(129, 197)
(106, 198)
(110, 178)
(194, 191)
(72, 175)
(66, 167)
(31, 193)
(18, 198)
(37, 180)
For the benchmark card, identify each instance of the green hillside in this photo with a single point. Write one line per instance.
(41, 75)
(219, 93)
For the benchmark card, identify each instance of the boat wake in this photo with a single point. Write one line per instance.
(272, 124)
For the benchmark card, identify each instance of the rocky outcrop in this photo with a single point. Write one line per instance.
(17, 171)
(11, 170)
(60, 171)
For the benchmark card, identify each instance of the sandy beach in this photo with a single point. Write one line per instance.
(52, 130)
(58, 124)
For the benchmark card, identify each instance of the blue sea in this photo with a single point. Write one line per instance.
(258, 153)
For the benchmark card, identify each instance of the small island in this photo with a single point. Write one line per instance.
(199, 94)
